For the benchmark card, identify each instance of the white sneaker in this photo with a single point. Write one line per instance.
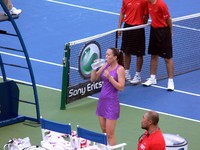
(136, 79)
(150, 82)
(170, 86)
(127, 75)
(15, 11)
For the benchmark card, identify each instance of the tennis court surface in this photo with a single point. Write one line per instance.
(46, 26)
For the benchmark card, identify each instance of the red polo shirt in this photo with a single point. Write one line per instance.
(134, 11)
(154, 141)
(159, 14)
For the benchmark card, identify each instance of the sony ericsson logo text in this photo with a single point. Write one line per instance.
(89, 53)
(85, 89)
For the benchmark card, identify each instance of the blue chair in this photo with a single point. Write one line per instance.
(99, 140)
(56, 127)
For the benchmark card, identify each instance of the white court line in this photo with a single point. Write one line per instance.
(184, 27)
(33, 59)
(83, 7)
(37, 60)
(47, 87)
(167, 114)
(120, 103)
(156, 86)
(179, 91)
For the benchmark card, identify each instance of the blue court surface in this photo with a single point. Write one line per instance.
(46, 25)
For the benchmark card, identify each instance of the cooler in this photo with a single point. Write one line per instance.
(175, 142)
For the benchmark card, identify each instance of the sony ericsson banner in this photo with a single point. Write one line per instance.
(83, 89)
(88, 54)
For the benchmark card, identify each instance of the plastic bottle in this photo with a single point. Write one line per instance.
(98, 63)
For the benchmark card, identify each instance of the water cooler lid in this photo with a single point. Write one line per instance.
(173, 140)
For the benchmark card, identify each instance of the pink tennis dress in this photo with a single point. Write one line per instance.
(108, 104)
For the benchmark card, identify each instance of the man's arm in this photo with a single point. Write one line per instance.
(121, 18)
(169, 22)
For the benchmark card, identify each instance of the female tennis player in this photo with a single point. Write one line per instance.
(113, 75)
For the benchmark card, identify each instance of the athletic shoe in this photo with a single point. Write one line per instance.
(150, 82)
(170, 85)
(15, 11)
(136, 80)
(127, 75)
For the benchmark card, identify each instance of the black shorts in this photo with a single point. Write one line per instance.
(160, 42)
(133, 41)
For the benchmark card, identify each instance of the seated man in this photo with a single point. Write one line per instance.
(153, 138)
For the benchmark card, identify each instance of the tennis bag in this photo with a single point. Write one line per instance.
(21, 144)
(35, 148)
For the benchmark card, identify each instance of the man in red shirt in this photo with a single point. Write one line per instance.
(153, 138)
(133, 13)
(160, 43)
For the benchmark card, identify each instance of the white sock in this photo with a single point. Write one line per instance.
(137, 74)
(170, 79)
(153, 76)
(127, 71)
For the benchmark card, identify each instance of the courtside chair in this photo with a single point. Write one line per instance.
(98, 140)
(56, 127)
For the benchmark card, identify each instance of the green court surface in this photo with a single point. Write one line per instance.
(82, 112)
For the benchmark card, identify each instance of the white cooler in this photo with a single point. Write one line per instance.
(175, 142)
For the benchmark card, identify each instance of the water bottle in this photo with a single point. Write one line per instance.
(98, 63)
